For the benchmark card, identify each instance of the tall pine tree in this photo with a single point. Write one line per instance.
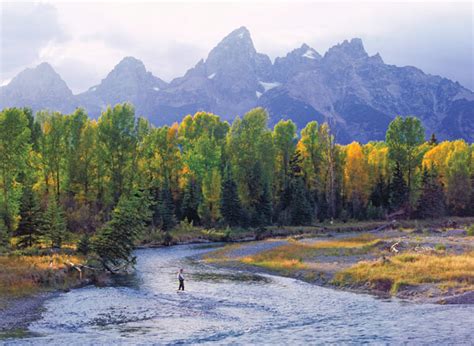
(296, 206)
(231, 208)
(265, 206)
(398, 190)
(166, 209)
(4, 235)
(191, 199)
(380, 195)
(29, 228)
(54, 223)
(114, 242)
(431, 203)
(300, 209)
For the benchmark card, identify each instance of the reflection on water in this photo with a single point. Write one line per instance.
(231, 307)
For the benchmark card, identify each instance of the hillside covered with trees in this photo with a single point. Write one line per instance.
(107, 181)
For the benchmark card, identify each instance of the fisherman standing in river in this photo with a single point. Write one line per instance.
(181, 280)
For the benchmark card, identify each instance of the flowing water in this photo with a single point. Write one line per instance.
(224, 306)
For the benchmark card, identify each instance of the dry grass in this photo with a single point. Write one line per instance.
(293, 255)
(277, 263)
(220, 255)
(24, 275)
(448, 271)
(359, 242)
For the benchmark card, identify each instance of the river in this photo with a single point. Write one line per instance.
(225, 306)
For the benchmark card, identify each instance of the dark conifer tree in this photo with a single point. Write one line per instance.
(114, 242)
(256, 184)
(4, 235)
(471, 202)
(301, 203)
(166, 209)
(265, 206)
(83, 247)
(295, 206)
(231, 208)
(398, 189)
(322, 207)
(431, 203)
(380, 195)
(155, 193)
(191, 199)
(356, 207)
(300, 209)
(30, 226)
(54, 223)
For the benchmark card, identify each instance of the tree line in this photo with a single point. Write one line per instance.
(68, 173)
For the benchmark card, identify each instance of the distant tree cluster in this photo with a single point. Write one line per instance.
(67, 173)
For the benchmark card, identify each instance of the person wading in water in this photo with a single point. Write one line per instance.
(181, 280)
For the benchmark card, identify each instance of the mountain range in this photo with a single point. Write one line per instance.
(356, 93)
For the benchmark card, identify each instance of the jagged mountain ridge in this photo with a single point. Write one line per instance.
(356, 93)
(40, 87)
(128, 81)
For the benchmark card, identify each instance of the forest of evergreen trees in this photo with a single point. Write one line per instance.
(67, 173)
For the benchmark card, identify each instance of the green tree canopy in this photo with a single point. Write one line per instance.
(14, 147)
(404, 138)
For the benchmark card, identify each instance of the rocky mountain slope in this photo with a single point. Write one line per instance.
(39, 88)
(356, 93)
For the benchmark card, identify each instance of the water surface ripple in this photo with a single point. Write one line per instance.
(223, 306)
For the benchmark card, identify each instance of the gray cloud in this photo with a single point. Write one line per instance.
(25, 30)
(168, 59)
(172, 60)
(83, 41)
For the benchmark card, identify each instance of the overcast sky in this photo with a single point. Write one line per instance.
(84, 41)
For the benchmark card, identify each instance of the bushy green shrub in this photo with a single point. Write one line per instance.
(185, 226)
